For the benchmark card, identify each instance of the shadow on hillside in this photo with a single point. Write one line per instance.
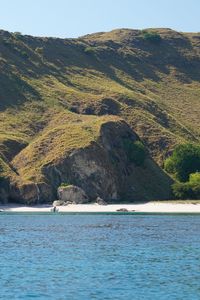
(147, 62)
(15, 90)
(138, 59)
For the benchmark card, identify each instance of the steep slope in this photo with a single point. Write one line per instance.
(149, 78)
(89, 152)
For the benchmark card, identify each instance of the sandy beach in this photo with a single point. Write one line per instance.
(150, 207)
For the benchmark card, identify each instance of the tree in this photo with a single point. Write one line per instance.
(195, 184)
(184, 161)
(188, 190)
(182, 190)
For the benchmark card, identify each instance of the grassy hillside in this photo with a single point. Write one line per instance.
(149, 78)
(64, 134)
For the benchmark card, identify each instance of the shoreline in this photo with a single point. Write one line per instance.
(150, 207)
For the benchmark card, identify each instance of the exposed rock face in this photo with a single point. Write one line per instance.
(123, 74)
(31, 193)
(58, 203)
(4, 195)
(28, 192)
(93, 168)
(72, 194)
(100, 169)
(100, 201)
(4, 191)
(103, 169)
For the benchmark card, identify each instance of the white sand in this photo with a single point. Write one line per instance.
(152, 207)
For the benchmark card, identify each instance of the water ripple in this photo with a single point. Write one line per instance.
(83, 257)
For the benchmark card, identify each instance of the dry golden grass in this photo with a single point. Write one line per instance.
(64, 134)
(156, 86)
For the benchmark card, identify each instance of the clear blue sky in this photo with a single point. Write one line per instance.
(73, 18)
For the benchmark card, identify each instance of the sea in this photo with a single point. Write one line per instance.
(99, 256)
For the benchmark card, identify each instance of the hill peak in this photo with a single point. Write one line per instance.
(127, 33)
(52, 89)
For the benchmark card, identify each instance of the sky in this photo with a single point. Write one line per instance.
(74, 18)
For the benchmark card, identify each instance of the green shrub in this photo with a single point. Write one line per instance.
(151, 36)
(195, 184)
(169, 166)
(188, 190)
(195, 178)
(135, 151)
(184, 161)
(196, 191)
(182, 190)
(90, 50)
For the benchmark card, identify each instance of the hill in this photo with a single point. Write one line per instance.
(56, 94)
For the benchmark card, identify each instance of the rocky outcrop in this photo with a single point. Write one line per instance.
(30, 193)
(4, 195)
(100, 201)
(102, 169)
(4, 190)
(72, 194)
(122, 210)
(60, 128)
(59, 203)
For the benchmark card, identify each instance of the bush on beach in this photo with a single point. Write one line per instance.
(184, 161)
(188, 190)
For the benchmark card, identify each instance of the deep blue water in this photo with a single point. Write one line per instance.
(99, 257)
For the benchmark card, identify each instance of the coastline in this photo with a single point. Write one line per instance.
(150, 207)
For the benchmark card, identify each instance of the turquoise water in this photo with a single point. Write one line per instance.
(99, 257)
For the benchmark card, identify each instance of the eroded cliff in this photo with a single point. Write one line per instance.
(98, 162)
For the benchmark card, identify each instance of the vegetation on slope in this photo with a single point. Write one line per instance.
(184, 164)
(150, 78)
(150, 82)
(184, 161)
(65, 133)
(189, 189)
